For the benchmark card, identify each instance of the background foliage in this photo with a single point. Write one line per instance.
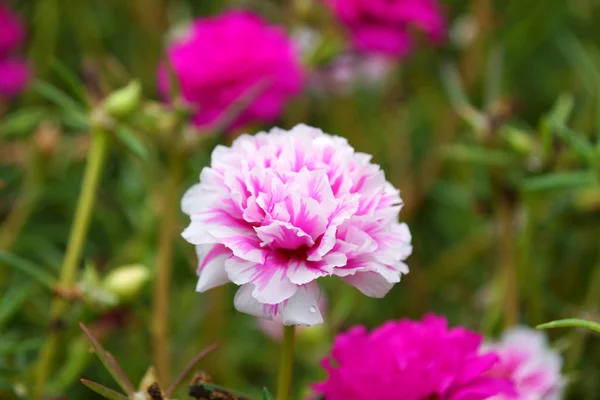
(494, 143)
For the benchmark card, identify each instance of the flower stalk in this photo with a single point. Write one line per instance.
(85, 204)
(285, 364)
(164, 260)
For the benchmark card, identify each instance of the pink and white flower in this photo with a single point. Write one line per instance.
(276, 211)
(534, 368)
(410, 360)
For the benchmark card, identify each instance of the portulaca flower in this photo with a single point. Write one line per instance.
(533, 367)
(276, 211)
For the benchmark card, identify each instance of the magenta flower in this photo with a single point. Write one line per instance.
(227, 58)
(383, 26)
(279, 210)
(410, 360)
(527, 360)
(14, 77)
(14, 72)
(12, 31)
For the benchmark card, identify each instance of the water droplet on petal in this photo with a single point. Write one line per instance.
(312, 309)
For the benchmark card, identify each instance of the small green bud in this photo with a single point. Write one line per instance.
(126, 282)
(518, 140)
(121, 103)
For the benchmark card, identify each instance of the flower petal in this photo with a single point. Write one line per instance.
(211, 270)
(246, 303)
(271, 285)
(370, 283)
(303, 307)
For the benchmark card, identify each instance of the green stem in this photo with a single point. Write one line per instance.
(164, 261)
(79, 229)
(285, 365)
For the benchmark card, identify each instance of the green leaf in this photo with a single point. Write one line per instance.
(12, 300)
(132, 142)
(22, 122)
(18, 346)
(560, 181)
(70, 78)
(70, 107)
(27, 267)
(267, 395)
(477, 155)
(103, 390)
(577, 141)
(110, 363)
(571, 323)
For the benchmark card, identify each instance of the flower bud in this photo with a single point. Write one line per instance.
(126, 282)
(518, 140)
(121, 103)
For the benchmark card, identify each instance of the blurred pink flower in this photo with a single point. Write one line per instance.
(224, 58)
(383, 26)
(14, 77)
(12, 31)
(410, 360)
(278, 210)
(528, 361)
(14, 72)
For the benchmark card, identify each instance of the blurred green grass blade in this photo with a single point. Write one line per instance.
(188, 369)
(110, 363)
(580, 61)
(28, 268)
(493, 81)
(132, 142)
(103, 390)
(70, 79)
(23, 121)
(571, 323)
(70, 107)
(8, 347)
(12, 300)
(562, 108)
(477, 155)
(575, 140)
(559, 114)
(460, 101)
(267, 395)
(560, 181)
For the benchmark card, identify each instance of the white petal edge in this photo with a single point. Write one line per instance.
(213, 273)
(303, 307)
(370, 284)
(244, 302)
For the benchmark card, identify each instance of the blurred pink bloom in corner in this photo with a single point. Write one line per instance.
(526, 359)
(410, 360)
(14, 71)
(383, 26)
(277, 211)
(226, 57)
